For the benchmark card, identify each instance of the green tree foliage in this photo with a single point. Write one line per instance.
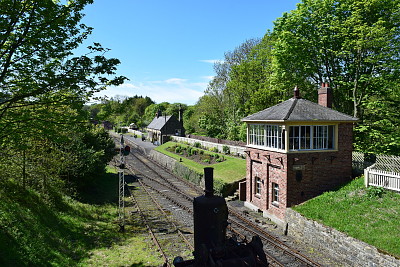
(222, 103)
(45, 139)
(122, 110)
(37, 68)
(351, 44)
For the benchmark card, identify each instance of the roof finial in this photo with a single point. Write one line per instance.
(296, 92)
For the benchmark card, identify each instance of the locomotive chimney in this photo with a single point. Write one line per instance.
(209, 181)
(325, 95)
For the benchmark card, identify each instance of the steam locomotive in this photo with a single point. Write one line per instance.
(211, 246)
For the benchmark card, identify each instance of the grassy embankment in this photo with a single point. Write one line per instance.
(228, 171)
(70, 233)
(371, 215)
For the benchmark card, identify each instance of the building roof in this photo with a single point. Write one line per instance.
(158, 123)
(298, 109)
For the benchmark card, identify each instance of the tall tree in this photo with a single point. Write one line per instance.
(352, 44)
(38, 69)
(221, 103)
(355, 46)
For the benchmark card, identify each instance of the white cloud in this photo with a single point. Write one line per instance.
(211, 61)
(208, 78)
(173, 90)
(175, 81)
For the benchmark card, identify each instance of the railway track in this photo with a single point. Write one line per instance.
(180, 193)
(166, 234)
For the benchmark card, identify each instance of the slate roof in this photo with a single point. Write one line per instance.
(158, 123)
(298, 109)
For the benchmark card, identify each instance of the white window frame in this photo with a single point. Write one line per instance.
(267, 136)
(258, 185)
(311, 137)
(275, 193)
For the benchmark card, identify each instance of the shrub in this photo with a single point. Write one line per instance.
(178, 150)
(194, 151)
(226, 149)
(215, 149)
(375, 192)
(216, 156)
(201, 152)
(206, 160)
(197, 144)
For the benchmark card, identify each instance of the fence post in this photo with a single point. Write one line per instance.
(366, 178)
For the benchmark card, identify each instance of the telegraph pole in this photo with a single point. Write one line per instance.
(121, 186)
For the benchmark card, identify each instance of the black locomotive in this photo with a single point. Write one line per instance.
(211, 246)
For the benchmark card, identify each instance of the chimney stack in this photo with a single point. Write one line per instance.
(180, 114)
(296, 92)
(325, 95)
(158, 113)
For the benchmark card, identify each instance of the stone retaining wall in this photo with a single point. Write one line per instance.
(233, 150)
(222, 189)
(352, 251)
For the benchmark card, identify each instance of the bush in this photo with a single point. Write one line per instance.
(375, 192)
(201, 152)
(216, 156)
(178, 150)
(215, 149)
(197, 144)
(226, 149)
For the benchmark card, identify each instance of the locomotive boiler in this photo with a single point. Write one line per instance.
(211, 245)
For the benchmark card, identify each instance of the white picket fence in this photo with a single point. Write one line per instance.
(380, 178)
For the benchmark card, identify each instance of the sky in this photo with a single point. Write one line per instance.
(167, 48)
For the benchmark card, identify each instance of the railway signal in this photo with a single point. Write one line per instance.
(121, 185)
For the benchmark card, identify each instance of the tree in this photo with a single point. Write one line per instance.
(223, 103)
(353, 45)
(37, 66)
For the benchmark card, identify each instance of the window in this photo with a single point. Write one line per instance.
(319, 137)
(258, 186)
(275, 193)
(271, 136)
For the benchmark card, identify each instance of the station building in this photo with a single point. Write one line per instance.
(296, 150)
(162, 127)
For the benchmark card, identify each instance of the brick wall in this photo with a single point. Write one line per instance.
(311, 174)
(300, 176)
(270, 167)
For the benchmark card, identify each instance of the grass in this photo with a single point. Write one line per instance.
(69, 233)
(361, 213)
(228, 171)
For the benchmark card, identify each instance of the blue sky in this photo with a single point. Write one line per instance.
(167, 47)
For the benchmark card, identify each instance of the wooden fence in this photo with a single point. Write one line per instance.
(384, 172)
(380, 178)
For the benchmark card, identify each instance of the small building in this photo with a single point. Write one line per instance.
(296, 150)
(107, 125)
(162, 127)
(133, 126)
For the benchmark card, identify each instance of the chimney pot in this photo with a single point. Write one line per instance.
(296, 92)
